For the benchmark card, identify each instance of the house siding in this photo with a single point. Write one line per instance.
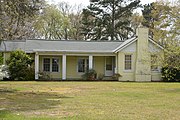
(127, 75)
(72, 72)
(72, 66)
(99, 65)
(156, 76)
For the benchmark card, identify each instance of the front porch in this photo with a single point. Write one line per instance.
(61, 66)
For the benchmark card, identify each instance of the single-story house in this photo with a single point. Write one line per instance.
(65, 59)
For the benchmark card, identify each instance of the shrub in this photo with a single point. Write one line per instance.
(89, 75)
(116, 76)
(44, 76)
(19, 65)
(30, 74)
(1, 58)
(171, 70)
(100, 76)
(170, 74)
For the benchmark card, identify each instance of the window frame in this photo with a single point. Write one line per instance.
(46, 63)
(125, 62)
(51, 64)
(86, 65)
(58, 65)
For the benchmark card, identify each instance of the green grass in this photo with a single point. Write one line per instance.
(89, 101)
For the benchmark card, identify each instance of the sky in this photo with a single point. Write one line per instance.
(86, 2)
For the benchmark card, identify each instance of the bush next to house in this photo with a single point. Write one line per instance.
(89, 75)
(1, 58)
(171, 68)
(170, 74)
(20, 66)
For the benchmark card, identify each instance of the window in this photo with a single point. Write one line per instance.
(83, 65)
(154, 66)
(128, 62)
(51, 64)
(46, 64)
(55, 65)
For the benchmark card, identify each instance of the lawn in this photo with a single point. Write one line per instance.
(89, 101)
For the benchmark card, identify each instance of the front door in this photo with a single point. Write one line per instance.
(109, 66)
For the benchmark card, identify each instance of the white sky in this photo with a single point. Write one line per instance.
(86, 2)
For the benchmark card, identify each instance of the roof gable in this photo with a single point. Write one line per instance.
(131, 41)
(125, 44)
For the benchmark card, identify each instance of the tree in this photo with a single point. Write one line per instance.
(16, 18)
(162, 19)
(20, 66)
(73, 13)
(148, 20)
(171, 67)
(162, 14)
(164, 23)
(75, 21)
(65, 9)
(175, 28)
(51, 23)
(87, 24)
(136, 20)
(109, 19)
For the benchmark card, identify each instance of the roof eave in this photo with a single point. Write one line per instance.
(161, 47)
(70, 51)
(124, 46)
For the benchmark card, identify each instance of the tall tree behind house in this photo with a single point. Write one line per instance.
(17, 18)
(108, 19)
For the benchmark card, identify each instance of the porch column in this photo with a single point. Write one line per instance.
(36, 66)
(64, 67)
(90, 62)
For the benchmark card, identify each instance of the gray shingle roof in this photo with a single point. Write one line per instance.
(63, 46)
(12, 45)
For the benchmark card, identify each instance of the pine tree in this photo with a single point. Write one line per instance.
(108, 19)
(148, 20)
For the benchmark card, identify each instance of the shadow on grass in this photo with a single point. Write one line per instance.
(7, 90)
(12, 100)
